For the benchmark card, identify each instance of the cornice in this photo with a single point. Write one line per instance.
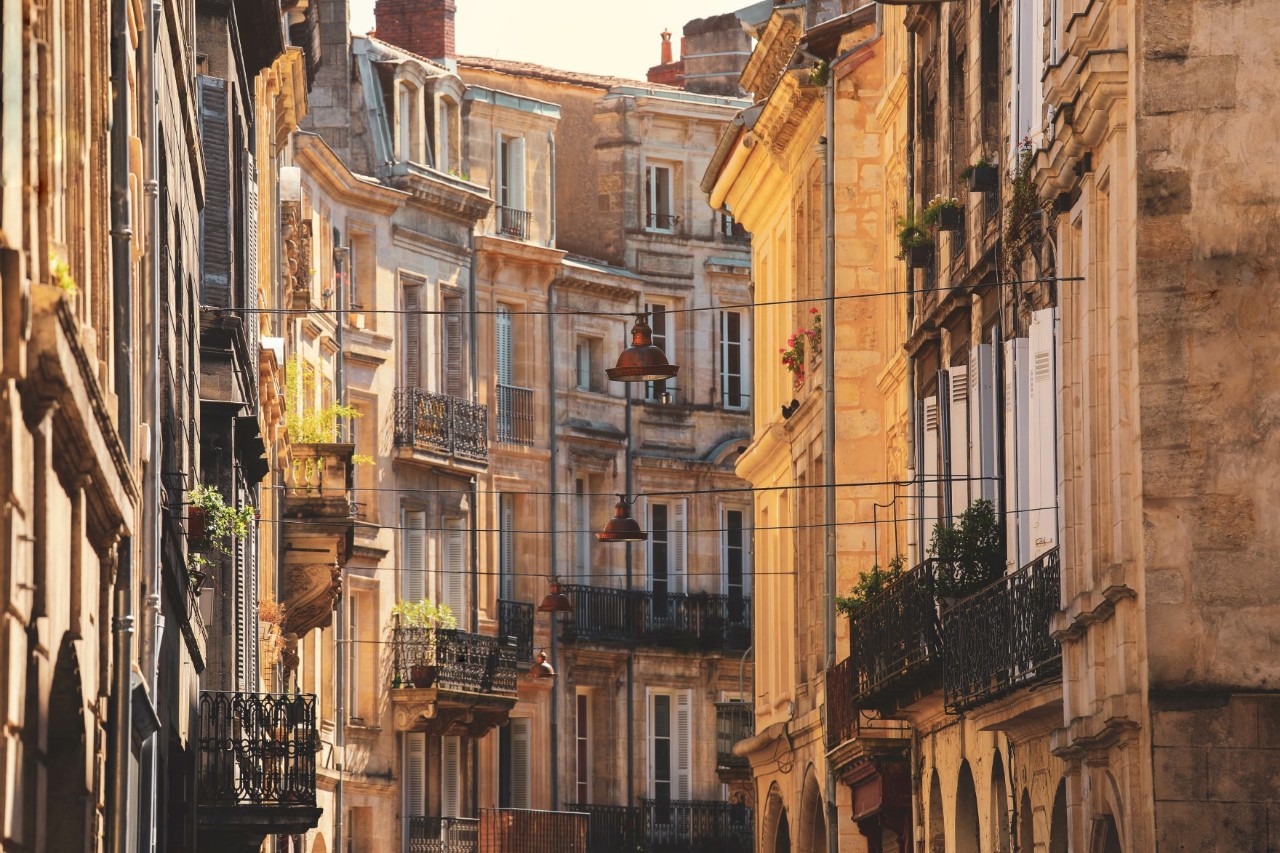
(774, 51)
(326, 169)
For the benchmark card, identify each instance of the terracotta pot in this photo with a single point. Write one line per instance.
(423, 675)
(195, 524)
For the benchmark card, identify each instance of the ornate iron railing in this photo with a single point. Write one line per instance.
(612, 829)
(454, 660)
(895, 637)
(513, 223)
(532, 831)
(842, 711)
(735, 721)
(661, 221)
(998, 640)
(441, 424)
(442, 834)
(695, 621)
(515, 415)
(258, 749)
(696, 826)
(515, 619)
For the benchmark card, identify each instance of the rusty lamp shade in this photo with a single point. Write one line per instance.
(622, 527)
(540, 668)
(555, 601)
(642, 361)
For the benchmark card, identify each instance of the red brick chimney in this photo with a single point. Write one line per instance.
(424, 27)
(666, 47)
(666, 72)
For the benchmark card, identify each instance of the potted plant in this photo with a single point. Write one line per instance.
(793, 355)
(197, 570)
(969, 553)
(981, 176)
(427, 615)
(944, 213)
(914, 240)
(869, 585)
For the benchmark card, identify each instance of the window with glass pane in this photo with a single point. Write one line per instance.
(659, 210)
(582, 529)
(661, 747)
(660, 323)
(582, 747)
(734, 562)
(732, 356)
(659, 553)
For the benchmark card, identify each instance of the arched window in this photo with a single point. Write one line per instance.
(409, 123)
(967, 840)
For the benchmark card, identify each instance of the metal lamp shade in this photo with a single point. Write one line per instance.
(622, 527)
(555, 601)
(642, 361)
(541, 669)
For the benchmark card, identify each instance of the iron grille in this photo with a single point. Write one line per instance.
(442, 834)
(695, 621)
(895, 637)
(441, 424)
(513, 223)
(735, 721)
(532, 831)
(515, 619)
(257, 748)
(515, 415)
(455, 660)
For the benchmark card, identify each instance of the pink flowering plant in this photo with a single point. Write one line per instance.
(793, 355)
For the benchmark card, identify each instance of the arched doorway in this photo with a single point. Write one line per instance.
(1026, 823)
(67, 815)
(1058, 824)
(782, 840)
(775, 830)
(1106, 837)
(967, 838)
(813, 823)
(999, 806)
(937, 831)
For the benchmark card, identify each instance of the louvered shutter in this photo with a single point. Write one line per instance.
(241, 616)
(1042, 473)
(502, 334)
(682, 783)
(215, 218)
(453, 351)
(414, 573)
(454, 583)
(520, 763)
(450, 776)
(415, 774)
(412, 336)
(251, 286)
(958, 437)
(982, 422)
(1017, 486)
(929, 513)
(678, 569)
(517, 178)
(507, 546)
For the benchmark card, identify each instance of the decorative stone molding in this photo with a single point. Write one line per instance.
(310, 592)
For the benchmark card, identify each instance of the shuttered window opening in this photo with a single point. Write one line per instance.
(413, 575)
(511, 172)
(958, 438)
(582, 746)
(1017, 453)
(1042, 474)
(658, 198)
(581, 531)
(734, 348)
(454, 354)
(982, 423)
(662, 325)
(667, 550)
(502, 337)
(507, 547)
(451, 776)
(411, 352)
(734, 556)
(215, 218)
(930, 511)
(670, 768)
(453, 581)
(415, 774)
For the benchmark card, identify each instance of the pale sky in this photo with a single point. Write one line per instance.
(621, 39)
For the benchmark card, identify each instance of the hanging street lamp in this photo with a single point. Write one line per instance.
(642, 361)
(622, 527)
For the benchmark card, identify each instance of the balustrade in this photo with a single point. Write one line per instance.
(257, 749)
(441, 424)
(458, 661)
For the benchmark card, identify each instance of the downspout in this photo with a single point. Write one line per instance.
(631, 651)
(342, 261)
(551, 141)
(552, 517)
(119, 753)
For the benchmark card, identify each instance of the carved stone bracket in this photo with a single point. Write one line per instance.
(310, 592)
(443, 713)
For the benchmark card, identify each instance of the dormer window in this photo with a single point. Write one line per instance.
(448, 147)
(659, 204)
(409, 123)
(513, 217)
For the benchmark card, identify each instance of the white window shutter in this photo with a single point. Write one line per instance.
(678, 573)
(454, 583)
(414, 571)
(1017, 486)
(517, 179)
(982, 423)
(502, 327)
(1042, 434)
(415, 774)
(450, 776)
(929, 512)
(520, 763)
(681, 788)
(958, 436)
(412, 336)
(507, 545)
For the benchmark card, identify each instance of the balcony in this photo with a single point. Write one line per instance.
(998, 640)
(441, 425)
(688, 622)
(661, 221)
(515, 619)
(451, 682)
(513, 223)
(257, 767)
(442, 834)
(499, 831)
(894, 642)
(669, 826)
(515, 415)
(735, 721)
(318, 480)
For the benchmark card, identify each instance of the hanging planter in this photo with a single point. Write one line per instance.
(981, 176)
(944, 213)
(919, 256)
(913, 240)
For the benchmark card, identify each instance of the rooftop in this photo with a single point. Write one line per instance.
(555, 75)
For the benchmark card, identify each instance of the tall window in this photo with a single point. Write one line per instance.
(734, 561)
(582, 746)
(453, 349)
(414, 762)
(587, 370)
(502, 355)
(363, 657)
(411, 342)
(658, 197)
(506, 547)
(511, 173)
(413, 574)
(452, 589)
(582, 529)
(669, 729)
(734, 348)
(410, 118)
(513, 764)
(362, 270)
(451, 776)
(660, 321)
(667, 567)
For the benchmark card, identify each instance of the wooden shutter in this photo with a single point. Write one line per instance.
(412, 336)
(982, 423)
(516, 181)
(415, 774)
(958, 437)
(681, 746)
(520, 763)
(677, 566)
(215, 219)
(450, 776)
(453, 585)
(1017, 485)
(929, 513)
(502, 335)
(251, 264)
(414, 571)
(454, 381)
(1042, 473)
(507, 546)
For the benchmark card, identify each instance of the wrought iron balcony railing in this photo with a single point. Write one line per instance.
(515, 415)
(895, 639)
(998, 640)
(438, 423)
(532, 831)
(695, 621)
(257, 749)
(515, 619)
(612, 828)
(669, 826)
(453, 660)
(442, 834)
(661, 221)
(735, 721)
(513, 223)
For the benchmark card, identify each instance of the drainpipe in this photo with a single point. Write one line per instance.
(631, 652)
(553, 515)
(342, 261)
(119, 754)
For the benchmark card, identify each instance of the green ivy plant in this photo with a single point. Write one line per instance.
(869, 585)
(1022, 213)
(222, 523)
(424, 614)
(911, 231)
(969, 554)
(60, 274)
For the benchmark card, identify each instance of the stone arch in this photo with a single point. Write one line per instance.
(937, 829)
(1026, 823)
(968, 839)
(775, 830)
(1106, 836)
(67, 819)
(999, 806)
(812, 829)
(1058, 821)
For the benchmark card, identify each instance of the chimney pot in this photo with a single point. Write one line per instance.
(666, 47)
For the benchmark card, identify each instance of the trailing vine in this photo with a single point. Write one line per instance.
(1022, 213)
